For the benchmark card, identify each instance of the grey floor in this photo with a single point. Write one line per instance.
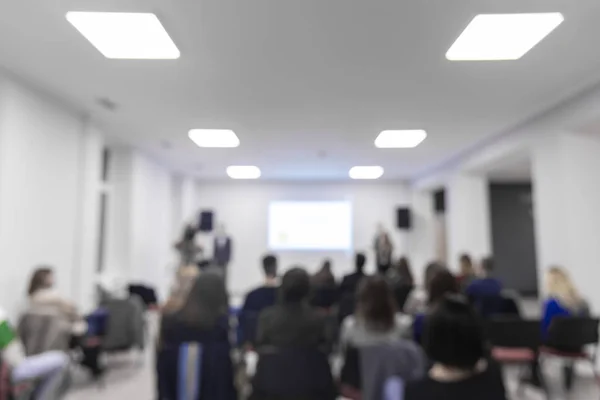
(131, 376)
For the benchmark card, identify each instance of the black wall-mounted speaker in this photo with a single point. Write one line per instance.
(403, 218)
(206, 221)
(439, 200)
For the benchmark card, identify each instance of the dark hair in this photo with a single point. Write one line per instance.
(404, 271)
(326, 265)
(269, 263)
(441, 284)
(430, 271)
(487, 264)
(39, 279)
(295, 286)
(206, 301)
(466, 264)
(359, 261)
(375, 303)
(453, 334)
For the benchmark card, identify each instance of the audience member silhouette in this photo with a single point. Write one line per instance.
(259, 299)
(467, 271)
(486, 285)
(376, 320)
(292, 321)
(418, 298)
(454, 341)
(400, 274)
(350, 282)
(324, 277)
(441, 285)
(198, 331)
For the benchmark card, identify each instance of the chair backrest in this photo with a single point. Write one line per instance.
(573, 332)
(514, 332)
(293, 373)
(324, 297)
(488, 305)
(509, 307)
(401, 294)
(125, 324)
(43, 330)
(350, 374)
(346, 306)
(248, 325)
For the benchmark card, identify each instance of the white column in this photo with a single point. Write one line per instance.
(189, 211)
(421, 239)
(468, 218)
(566, 199)
(88, 233)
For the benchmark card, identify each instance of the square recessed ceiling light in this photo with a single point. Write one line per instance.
(502, 36)
(214, 137)
(243, 172)
(404, 139)
(366, 172)
(125, 35)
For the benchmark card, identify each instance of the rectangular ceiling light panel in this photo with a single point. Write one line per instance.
(214, 138)
(366, 172)
(491, 37)
(125, 35)
(400, 139)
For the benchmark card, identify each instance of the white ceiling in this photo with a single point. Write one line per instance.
(296, 77)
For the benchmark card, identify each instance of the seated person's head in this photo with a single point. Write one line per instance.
(269, 263)
(466, 265)
(442, 284)
(375, 304)
(487, 266)
(453, 335)
(205, 302)
(295, 286)
(359, 262)
(326, 265)
(560, 287)
(430, 271)
(42, 278)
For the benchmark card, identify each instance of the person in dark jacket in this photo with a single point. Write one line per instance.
(486, 285)
(258, 299)
(292, 322)
(193, 348)
(350, 282)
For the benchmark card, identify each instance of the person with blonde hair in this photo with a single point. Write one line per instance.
(563, 299)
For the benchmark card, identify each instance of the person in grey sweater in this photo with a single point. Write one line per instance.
(376, 320)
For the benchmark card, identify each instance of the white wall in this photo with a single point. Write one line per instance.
(43, 147)
(566, 197)
(467, 218)
(243, 208)
(422, 237)
(140, 219)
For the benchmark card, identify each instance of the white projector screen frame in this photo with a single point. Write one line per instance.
(310, 226)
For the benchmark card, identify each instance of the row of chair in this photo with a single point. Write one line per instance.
(519, 342)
